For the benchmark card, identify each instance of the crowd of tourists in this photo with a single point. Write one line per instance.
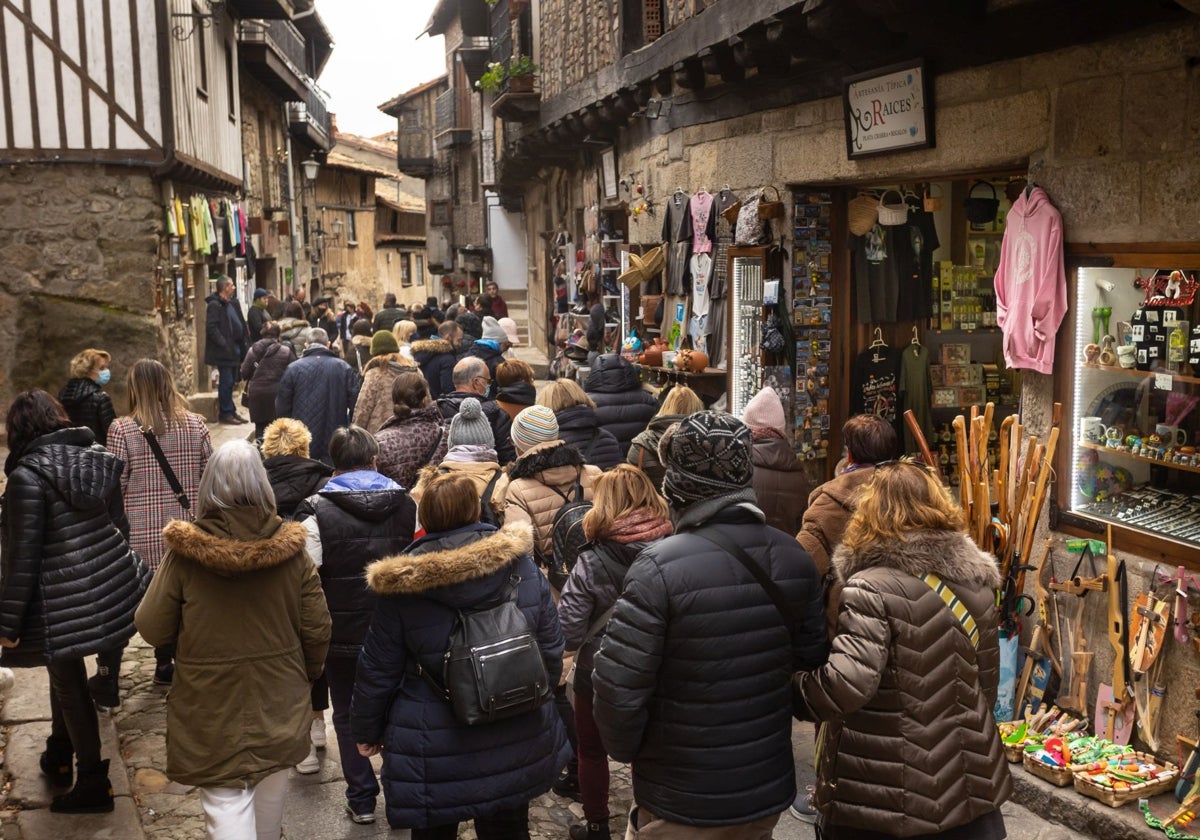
(497, 588)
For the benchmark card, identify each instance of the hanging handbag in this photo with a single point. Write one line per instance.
(750, 228)
(168, 473)
(981, 211)
(770, 208)
(772, 338)
(895, 213)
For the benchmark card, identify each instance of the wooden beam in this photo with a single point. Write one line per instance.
(689, 75)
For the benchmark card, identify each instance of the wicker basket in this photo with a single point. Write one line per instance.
(1013, 752)
(770, 208)
(1058, 776)
(863, 213)
(1117, 798)
(933, 203)
(891, 215)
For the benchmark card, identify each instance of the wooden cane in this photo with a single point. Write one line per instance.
(914, 427)
(1002, 473)
(964, 470)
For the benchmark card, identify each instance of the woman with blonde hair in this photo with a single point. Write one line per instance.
(627, 515)
(918, 610)
(239, 596)
(577, 423)
(643, 452)
(83, 396)
(294, 476)
(157, 488)
(404, 330)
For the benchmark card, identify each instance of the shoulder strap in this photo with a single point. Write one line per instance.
(486, 498)
(790, 619)
(957, 607)
(168, 473)
(641, 455)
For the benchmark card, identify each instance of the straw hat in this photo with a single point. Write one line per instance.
(643, 267)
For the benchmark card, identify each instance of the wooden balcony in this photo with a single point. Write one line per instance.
(265, 9)
(309, 120)
(449, 130)
(273, 51)
(518, 99)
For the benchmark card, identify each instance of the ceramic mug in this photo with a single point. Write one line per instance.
(1127, 356)
(1172, 436)
(1091, 429)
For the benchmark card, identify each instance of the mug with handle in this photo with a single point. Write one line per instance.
(1172, 436)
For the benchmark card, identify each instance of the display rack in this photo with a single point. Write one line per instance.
(812, 314)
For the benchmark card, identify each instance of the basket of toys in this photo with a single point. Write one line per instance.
(1126, 778)
(1027, 735)
(1057, 759)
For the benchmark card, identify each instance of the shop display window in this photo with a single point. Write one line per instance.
(1136, 401)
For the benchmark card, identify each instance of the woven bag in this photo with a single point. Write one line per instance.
(933, 203)
(749, 229)
(892, 214)
(770, 209)
(863, 213)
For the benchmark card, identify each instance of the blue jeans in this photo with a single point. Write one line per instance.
(362, 789)
(227, 373)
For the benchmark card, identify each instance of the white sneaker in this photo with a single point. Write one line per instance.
(309, 765)
(316, 733)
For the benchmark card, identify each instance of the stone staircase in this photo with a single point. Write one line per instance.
(518, 310)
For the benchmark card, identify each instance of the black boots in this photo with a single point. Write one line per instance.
(56, 762)
(164, 665)
(567, 785)
(106, 694)
(591, 831)
(92, 793)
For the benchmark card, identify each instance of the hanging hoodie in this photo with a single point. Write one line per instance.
(1031, 282)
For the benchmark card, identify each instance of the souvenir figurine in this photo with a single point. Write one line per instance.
(1152, 447)
(1112, 438)
(1091, 353)
(1108, 355)
(1132, 442)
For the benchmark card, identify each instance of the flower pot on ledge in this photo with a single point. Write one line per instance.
(520, 84)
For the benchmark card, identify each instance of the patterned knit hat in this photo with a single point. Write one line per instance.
(470, 426)
(707, 455)
(384, 341)
(765, 411)
(534, 425)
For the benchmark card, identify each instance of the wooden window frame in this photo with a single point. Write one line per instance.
(202, 56)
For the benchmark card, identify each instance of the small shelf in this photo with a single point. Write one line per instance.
(1120, 452)
(985, 330)
(1147, 374)
(1090, 512)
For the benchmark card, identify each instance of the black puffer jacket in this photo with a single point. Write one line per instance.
(622, 406)
(580, 427)
(356, 526)
(449, 404)
(71, 582)
(263, 367)
(436, 358)
(88, 405)
(294, 479)
(692, 683)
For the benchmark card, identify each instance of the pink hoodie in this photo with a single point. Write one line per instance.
(1031, 283)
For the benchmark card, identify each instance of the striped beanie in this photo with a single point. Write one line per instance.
(707, 455)
(534, 425)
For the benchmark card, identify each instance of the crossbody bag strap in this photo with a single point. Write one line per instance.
(772, 588)
(956, 607)
(168, 473)
(491, 488)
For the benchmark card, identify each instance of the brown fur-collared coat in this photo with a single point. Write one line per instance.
(242, 601)
(909, 746)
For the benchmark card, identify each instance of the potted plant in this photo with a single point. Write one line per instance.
(518, 73)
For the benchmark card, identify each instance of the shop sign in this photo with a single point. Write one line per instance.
(888, 110)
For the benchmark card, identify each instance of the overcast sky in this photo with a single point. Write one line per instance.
(376, 55)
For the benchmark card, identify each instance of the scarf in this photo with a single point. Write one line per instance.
(641, 525)
(471, 453)
(760, 433)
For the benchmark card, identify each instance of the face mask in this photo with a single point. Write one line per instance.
(104, 376)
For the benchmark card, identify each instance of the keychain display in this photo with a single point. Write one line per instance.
(812, 316)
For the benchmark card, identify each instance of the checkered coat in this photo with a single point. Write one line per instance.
(149, 502)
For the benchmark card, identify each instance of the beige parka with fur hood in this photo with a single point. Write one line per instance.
(243, 602)
(909, 745)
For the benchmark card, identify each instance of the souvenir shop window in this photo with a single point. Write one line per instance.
(1132, 372)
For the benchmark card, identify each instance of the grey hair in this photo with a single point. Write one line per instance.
(352, 447)
(467, 369)
(235, 478)
(448, 330)
(224, 282)
(318, 336)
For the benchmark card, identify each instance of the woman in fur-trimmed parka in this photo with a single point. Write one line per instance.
(437, 771)
(909, 747)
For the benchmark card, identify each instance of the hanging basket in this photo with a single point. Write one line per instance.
(730, 213)
(768, 209)
(892, 214)
(981, 211)
(933, 203)
(863, 213)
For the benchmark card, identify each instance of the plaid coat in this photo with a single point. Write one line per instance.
(149, 502)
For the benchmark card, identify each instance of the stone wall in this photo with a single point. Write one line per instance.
(78, 249)
(578, 37)
(1110, 130)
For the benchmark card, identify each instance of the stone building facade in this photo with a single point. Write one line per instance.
(1107, 124)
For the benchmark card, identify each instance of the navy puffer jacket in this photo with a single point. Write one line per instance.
(622, 406)
(435, 769)
(319, 390)
(692, 681)
(580, 426)
(70, 580)
(436, 357)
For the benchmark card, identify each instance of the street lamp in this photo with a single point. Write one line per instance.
(311, 168)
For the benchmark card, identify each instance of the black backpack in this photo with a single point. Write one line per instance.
(567, 536)
(493, 668)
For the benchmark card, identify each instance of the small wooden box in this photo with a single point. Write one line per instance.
(956, 354)
(945, 398)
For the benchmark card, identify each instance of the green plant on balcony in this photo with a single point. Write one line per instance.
(519, 67)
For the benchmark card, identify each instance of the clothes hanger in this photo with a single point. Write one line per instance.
(916, 339)
(1029, 185)
(878, 342)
